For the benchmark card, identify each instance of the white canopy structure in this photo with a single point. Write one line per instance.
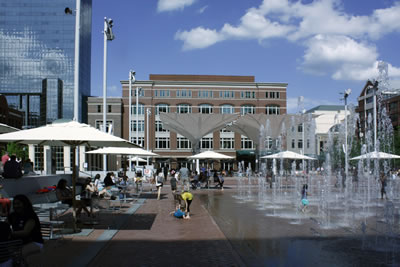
(210, 155)
(134, 151)
(195, 125)
(288, 155)
(376, 155)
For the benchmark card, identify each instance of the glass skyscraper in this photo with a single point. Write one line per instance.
(37, 46)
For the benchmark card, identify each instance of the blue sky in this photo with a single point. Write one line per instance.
(320, 48)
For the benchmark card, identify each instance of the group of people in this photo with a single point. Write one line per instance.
(14, 168)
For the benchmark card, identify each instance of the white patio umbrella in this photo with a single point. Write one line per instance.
(376, 155)
(210, 155)
(134, 151)
(287, 155)
(61, 133)
(136, 158)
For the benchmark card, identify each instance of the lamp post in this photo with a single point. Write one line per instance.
(138, 90)
(346, 163)
(132, 79)
(108, 36)
(148, 113)
(68, 11)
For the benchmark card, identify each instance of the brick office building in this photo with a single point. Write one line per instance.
(197, 94)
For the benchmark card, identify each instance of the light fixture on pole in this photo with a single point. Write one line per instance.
(346, 162)
(148, 113)
(138, 90)
(68, 11)
(132, 79)
(108, 36)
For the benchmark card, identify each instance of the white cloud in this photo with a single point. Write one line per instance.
(171, 5)
(327, 53)
(201, 10)
(253, 25)
(198, 38)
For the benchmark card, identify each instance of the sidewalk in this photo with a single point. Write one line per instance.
(147, 235)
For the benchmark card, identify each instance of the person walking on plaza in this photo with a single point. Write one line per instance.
(184, 175)
(159, 182)
(173, 181)
(187, 197)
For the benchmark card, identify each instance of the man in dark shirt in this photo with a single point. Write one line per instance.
(12, 168)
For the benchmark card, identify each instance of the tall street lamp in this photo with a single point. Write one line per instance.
(108, 36)
(138, 90)
(132, 79)
(148, 113)
(76, 56)
(346, 163)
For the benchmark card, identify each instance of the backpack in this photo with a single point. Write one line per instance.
(160, 178)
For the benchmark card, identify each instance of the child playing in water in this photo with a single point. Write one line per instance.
(304, 200)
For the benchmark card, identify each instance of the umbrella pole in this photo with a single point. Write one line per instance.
(74, 190)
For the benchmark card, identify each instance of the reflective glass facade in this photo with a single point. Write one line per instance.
(37, 46)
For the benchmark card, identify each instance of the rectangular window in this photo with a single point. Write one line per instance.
(59, 153)
(38, 164)
(247, 109)
(300, 143)
(161, 93)
(247, 143)
(159, 127)
(140, 139)
(247, 94)
(268, 143)
(205, 94)
(183, 143)
(293, 143)
(274, 95)
(99, 108)
(140, 126)
(300, 128)
(227, 143)
(308, 143)
(206, 142)
(184, 93)
(162, 142)
(109, 108)
(226, 94)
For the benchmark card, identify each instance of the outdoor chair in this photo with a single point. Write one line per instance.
(11, 253)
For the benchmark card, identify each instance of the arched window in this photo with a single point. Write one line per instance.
(227, 109)
(247, 109)
(272, 110)
(205, 109)
(162, 108)
(183, 108)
